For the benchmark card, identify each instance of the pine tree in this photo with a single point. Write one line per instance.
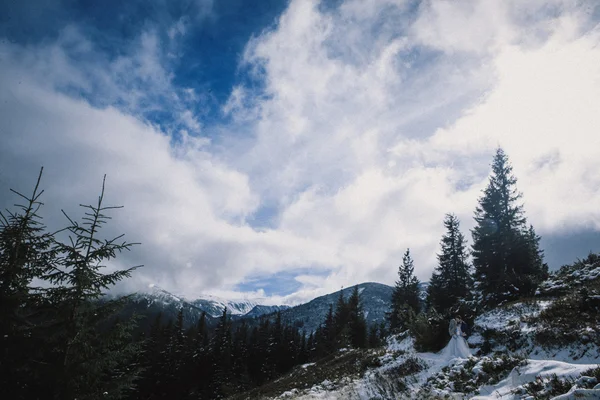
(239, 355)
(329, 333)
(356, 321)
(406, 301)
(373, 336)
(153, 362)
(506, 256)
(451, 279)
(92, 354)
(25, 253)
(340, 321)
(221, 347)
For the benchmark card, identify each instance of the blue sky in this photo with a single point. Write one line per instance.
(283, 149)
(210, 38)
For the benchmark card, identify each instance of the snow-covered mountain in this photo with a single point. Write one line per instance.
(212, 305)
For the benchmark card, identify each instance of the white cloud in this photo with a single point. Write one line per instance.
(366, 148)
(376, 120)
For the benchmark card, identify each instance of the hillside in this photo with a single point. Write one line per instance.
(545, 347)
(375, 300)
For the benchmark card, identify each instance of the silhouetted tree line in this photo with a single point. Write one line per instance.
(197, 363)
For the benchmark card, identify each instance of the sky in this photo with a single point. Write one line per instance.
(282, 150)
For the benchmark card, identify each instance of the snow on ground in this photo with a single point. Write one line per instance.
(571, 276)
(509, 387)
(582, 354)
(375, 382)
(520, 316)
(439, 375)
(512, 314)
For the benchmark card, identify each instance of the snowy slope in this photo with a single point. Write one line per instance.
(546, 347)
(214, 306)
(406, 374)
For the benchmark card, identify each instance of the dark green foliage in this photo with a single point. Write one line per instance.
(356, 321)
(211, 365)
(374, 340)
(390, 382)
(572, 318)
(430, 331)
(344, 326)
(63, 339)
(582, 273)
(506, 256)
(25, 252)
(465, 380)
(87, 354)
(348, 364)
(548, 387)
(451, 280)
(593, 373)
(406, 302)
(340, 322)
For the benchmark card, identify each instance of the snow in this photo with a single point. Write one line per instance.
(401, 342)
(502, 317)
(399, 348)
(213, 304)
(575, 354)
(528, 373)
(516, 325)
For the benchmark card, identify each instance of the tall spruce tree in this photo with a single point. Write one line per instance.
(356, 321)
(25, 252)
(340, 320)
(327, 342)
(406, 301)
(506, 256)
(451, 279)
(91, 354)
(221, 347)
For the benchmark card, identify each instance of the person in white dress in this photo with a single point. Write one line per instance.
(457, 347)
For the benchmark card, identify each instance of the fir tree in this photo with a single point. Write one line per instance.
(221, 357)
(340, 321)
(356, 321)
(91, 356)
(328, 333)
(506, 256)
(406, 301)
(373, 336)
(25, 253)
(451, 279)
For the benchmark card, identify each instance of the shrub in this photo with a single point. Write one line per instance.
(430, 332)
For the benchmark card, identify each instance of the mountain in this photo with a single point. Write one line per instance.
(159, 301)
(375, 300)
(259, 310)
(214, 306)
